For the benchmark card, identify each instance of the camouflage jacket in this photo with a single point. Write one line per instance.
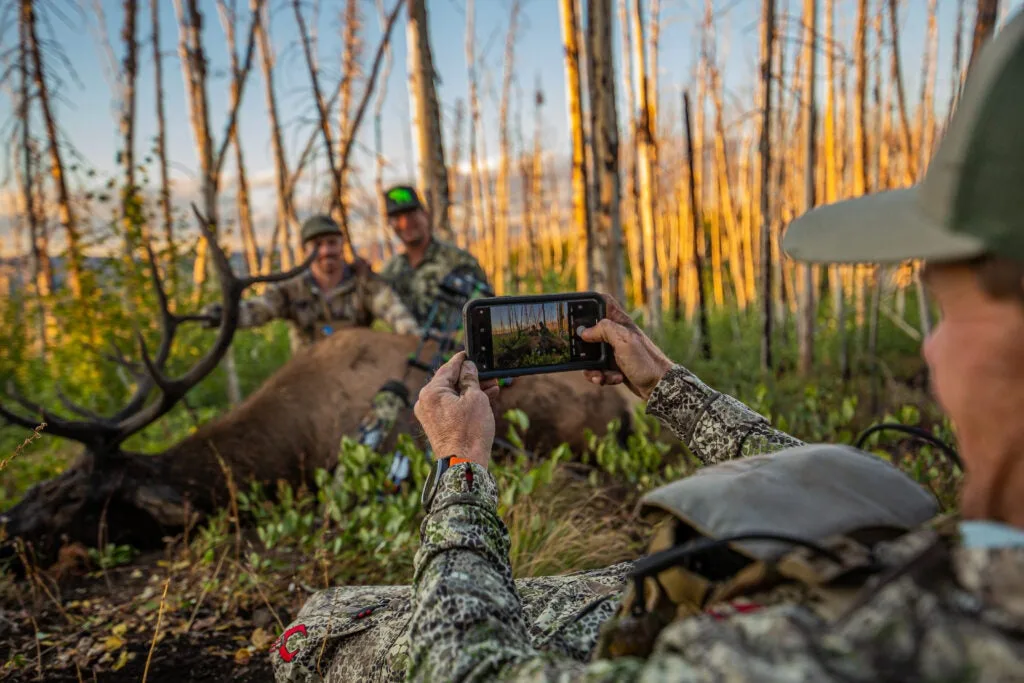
(358, 301)
(418, 287)
(362, 632)
(953, 610)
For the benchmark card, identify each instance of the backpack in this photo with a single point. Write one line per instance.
(798, 526)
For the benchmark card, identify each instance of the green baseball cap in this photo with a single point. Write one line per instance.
(318, 225)
(970, 202)
(401, 198)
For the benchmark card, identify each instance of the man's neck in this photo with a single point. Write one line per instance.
(327, 282)
(995, 492)
(417, 254)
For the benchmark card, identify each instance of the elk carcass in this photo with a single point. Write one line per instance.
(289, 427)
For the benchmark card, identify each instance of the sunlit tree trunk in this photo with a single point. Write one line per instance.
(956, 76)
(580, 201)
(807, 308)
(631, 229)
(193, 64)
(537, 181)
(647, 165)
(161, 146)
(501, 236)
(458, 196)
(427, 127)
(926, 107)
(606, 251)
(65, 212)
(765, 188)
(383, 235)
(909, 167)
(697, 234)
(245, 226)
(349, 73)
(281, 235)
(482, 229)
(984, 26)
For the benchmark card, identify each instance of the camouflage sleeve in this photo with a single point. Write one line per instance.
(468, 622)
(713, 425)
(261, 310)
(386, 306)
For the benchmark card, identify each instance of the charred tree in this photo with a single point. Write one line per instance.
(427, 129)
(607, 267)
(580, 184)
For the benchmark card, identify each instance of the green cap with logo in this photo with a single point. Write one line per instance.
(969, 203)
(318, 225)
(401, 198)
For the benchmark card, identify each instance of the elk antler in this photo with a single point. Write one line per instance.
(137, 414)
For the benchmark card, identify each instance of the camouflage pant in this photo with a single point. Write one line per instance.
(360, 633)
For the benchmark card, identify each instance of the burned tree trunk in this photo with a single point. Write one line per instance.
(282, 226)
(501, 241)
(606, 253)
(161, 147)
(984, 26)
(429, 136)
(64, 210)
(580, 185)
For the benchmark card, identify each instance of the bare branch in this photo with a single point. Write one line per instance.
(240, 78)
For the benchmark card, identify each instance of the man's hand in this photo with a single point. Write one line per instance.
(457, 411)
(638, 362)
(213, 313)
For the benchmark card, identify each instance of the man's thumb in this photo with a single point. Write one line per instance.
(601, 332)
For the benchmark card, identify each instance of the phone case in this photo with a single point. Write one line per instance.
(603, 363)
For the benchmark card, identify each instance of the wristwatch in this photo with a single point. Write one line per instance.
(440, 466)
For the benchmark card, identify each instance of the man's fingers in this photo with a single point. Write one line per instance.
(604, 378)
(492, 396)
(447, 376)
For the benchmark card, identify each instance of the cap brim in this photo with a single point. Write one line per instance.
(886, 227)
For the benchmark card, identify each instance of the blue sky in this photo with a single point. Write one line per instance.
(88, 108)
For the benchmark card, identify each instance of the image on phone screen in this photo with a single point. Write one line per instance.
(531, 335)
(520, 336)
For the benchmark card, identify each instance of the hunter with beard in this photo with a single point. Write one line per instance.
(331, 295)
(417, 272)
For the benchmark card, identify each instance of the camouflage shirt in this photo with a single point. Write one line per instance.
(359, 300)
(361, 632)
(418, 287)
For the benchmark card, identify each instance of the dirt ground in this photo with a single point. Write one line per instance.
(91, 627)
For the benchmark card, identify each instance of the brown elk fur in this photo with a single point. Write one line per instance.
(288, 428)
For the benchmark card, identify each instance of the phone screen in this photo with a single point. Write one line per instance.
(527, 335)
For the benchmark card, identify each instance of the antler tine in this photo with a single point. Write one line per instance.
(279, 277)
(87, 433)
(77, 409)
(171, 390)
(168, 321)
(169, 326)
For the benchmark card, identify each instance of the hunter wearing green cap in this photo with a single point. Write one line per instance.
(331, 295)
(881, 591)
(417, 271)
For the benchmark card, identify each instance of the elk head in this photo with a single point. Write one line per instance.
(105, 481)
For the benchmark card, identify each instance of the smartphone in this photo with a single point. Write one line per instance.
(509, 336)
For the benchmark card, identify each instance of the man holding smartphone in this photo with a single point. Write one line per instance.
(952, 609)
